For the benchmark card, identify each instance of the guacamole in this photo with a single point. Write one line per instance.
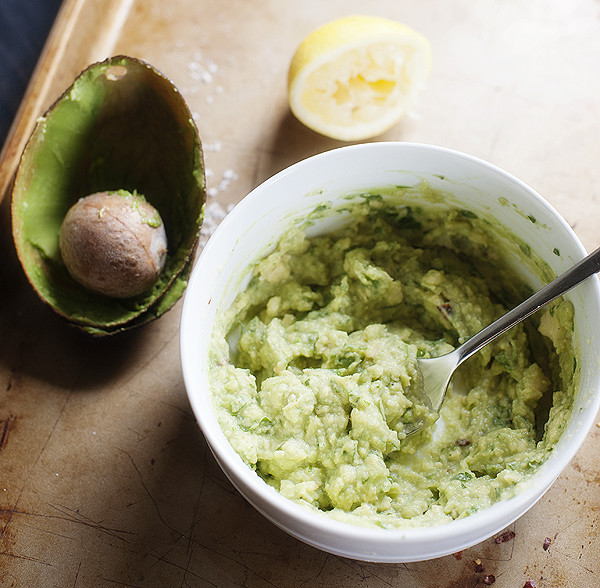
(314, 374)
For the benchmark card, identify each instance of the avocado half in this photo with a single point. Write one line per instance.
(121, 125)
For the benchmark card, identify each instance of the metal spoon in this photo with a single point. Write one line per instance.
(437, 371)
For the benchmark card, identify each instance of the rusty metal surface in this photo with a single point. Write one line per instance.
(105, 479)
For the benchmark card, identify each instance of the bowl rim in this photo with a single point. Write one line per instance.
(247, 481)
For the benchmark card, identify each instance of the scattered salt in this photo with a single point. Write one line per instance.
(202, 71)
(228, 176)
(214, 213)
(216, 146)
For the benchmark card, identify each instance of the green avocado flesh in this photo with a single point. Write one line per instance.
(120, 126)
(314, 377)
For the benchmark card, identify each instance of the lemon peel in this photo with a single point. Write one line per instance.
(355, 77)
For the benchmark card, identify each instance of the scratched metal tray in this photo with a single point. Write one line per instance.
(105, 478)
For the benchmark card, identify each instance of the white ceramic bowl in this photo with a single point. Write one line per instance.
(255, 225)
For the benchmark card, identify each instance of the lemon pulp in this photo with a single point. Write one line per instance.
(355, 77)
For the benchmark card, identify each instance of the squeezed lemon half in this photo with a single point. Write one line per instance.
(355, 77)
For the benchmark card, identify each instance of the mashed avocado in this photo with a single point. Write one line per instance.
(313, 368)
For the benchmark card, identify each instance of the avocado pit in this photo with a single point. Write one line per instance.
(114, 243)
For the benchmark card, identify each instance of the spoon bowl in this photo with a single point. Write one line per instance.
(436, 372)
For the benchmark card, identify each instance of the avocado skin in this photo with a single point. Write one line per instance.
(109, 131)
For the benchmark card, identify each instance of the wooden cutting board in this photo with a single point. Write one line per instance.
(105, 479)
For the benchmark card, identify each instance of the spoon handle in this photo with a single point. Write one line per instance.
(563, 283)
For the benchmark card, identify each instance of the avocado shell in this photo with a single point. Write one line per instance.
(121, 125)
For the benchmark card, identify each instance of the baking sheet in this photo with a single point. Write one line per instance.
(105, 478)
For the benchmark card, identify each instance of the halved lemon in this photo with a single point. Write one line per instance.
(355, 77)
